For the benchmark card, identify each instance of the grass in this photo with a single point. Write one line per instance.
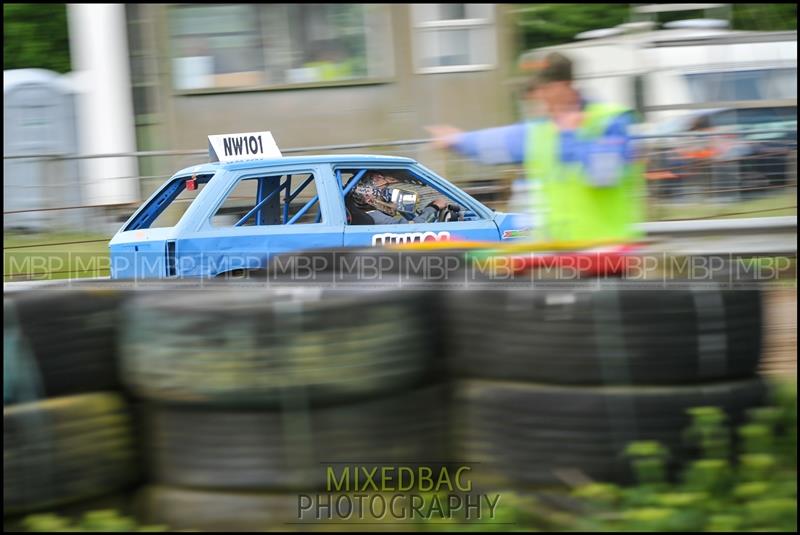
(59, 257)
(46, 256)
(774, 205)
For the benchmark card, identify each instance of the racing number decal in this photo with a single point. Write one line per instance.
(240, 147)
(390, 238)
(250, 145)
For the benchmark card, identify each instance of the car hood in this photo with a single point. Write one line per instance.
(511, 225)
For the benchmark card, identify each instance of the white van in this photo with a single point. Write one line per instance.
(688, 65)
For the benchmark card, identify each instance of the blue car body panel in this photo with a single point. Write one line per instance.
(196, 248)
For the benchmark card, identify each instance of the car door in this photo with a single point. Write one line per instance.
(277, 218)
(478, 223)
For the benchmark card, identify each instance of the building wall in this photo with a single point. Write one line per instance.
(396, 108)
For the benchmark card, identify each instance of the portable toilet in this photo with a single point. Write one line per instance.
(39, 120)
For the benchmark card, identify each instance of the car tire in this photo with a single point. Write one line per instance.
(65, 450)
(73, 337)
(606, 335)
(235, 450)
(529, 433)
(240, 348)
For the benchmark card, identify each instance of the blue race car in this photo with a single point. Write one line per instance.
(250, 204)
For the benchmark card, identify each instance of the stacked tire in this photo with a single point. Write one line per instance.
(68, 431)
(249, 395)
(554, 383)
(72, 332)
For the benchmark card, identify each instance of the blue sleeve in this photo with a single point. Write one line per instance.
(618, 128)
(501, 145)
(379, 218)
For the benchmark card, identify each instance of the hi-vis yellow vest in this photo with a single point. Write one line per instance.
(569, 206)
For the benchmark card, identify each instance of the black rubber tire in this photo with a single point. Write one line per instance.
(252, 348)
(73, 336)
(609, 335)
(65, 450)
(528, 432)
(291, 449)
(21, 379)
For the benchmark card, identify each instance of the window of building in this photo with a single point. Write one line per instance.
(453, 37)
(144, 79)
(216, 46)
(245, 45)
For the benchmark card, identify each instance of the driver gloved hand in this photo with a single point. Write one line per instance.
(428, 214)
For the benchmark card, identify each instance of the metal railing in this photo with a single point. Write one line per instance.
(706, 170)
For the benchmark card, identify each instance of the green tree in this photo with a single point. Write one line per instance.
(36, 35)
(765, 17)
(554, 24)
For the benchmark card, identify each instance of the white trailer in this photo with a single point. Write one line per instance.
(688, 65)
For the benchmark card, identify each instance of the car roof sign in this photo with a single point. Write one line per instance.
(242, 147)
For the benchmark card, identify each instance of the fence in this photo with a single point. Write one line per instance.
(689, 176)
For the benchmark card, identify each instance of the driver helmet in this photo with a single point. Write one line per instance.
(374, 191)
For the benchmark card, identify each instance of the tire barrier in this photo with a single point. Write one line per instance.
(192, 509)
(249, 390)
(527, 433)
(21, 381)
(604, 335)
(369, 267)
(241, 348)
(65, 450)
(291, 450)
(73, 335)
(224, 512)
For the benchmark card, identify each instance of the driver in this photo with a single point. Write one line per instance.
(373, 202)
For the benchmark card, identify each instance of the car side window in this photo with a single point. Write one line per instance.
(171, 202)
(400, 197)
(270, 200)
